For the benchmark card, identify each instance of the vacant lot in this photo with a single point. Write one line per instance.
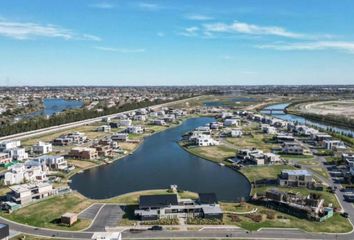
(213, 153)
(343, 108)
(254, 173)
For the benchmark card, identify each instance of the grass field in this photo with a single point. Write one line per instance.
(213, 153)
(46, 213)
(254, 173)
(256, 140)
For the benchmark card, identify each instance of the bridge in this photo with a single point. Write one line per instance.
(274, 111)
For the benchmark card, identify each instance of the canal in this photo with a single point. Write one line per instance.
(52, 106)
(159, 162)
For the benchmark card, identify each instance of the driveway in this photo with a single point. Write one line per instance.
(108, 216)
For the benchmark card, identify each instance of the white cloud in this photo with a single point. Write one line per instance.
(102, 5)
(190, 31)
(120, 50)
(149, 6)
(199, 17)
(161, 34)
(311, 46)
(246, 28)
(28, 30)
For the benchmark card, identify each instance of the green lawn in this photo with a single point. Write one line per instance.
(213, 153)
(256, 140)
(254, 173)
(336, 224)
(46, 213)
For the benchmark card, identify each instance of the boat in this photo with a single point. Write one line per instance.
(221, 164)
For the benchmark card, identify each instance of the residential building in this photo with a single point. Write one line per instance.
(125, 122)
(203, 140)
(7, 145)
(159, 122)
(42, 148)
(20, 173)
(232, 122)
(27, 193)
(135, 130)
(83, 153)
(154, 207)
(52, 162)
(334, 145)
(104, 128)
(236, 132)
(5, 158)
(18, 154)
(295, 178)
(292, 148)
(120, 137)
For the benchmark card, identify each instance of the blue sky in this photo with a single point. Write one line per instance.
(176, 42)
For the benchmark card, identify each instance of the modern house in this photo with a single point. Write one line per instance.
(9, 145)
(203, 140)
(295, 178)
(334, 145)
(19, 173)
(125, 122)
(42, 148)
(229, 122)
(135, 130)
(26, 193)
(83, 153)
(154, 207)
(104, 128)
(18, 154)
(292, 148)
(52, 162)
(75, 137)
(159, 122)
(120, 137)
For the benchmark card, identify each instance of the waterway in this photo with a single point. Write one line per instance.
(53, 106)
(158, 163)
(294, 118)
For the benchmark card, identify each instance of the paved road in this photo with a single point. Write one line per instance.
(108, 216)
(37, 132)
(91, 212)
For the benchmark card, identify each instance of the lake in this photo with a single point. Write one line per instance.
(158, 163)
(53, 105)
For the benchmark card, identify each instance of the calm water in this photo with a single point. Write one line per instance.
(158, 163)
(237, 99)
(52, 106)
(302, 120)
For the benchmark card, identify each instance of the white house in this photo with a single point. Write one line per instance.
(135, 129)
(236, 132)
(52, 162)
(232, 122)
(20, 173)
(125, 122)
(7, 145)
(104, 128)
(42, 148)
(139, 118)
(204, 140)
(333, 144)
(17, 154)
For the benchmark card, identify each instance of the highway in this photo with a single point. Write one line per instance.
(42, 131)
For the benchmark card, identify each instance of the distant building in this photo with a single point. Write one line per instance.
(7, 145)
(154, 207)
(120, 137)
(232, 122)
(292, 148)
(104, 128)
(125, 122)
(83, 153)
(334, 145)
(26, 193)
(295, 178)
(42, 148)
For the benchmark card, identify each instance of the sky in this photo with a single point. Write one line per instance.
(176, 42)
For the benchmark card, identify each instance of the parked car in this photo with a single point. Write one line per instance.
(345, 214)
(156, 228)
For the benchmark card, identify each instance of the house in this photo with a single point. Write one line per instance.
(104, 128)
(83, 153)
(292, 148)
(42, 148)
(120, 137)
(7, 145)
(235, 132)
(125, 122)
(320, 137)
(268, 129)
(281, 138)
(271, 158)
(159, 122)
(232, 122)
(27, 193)
(204, 140)
(349, 158)
(334, 145)
(104, 150)
(295, 178)
(20, 173)
(75, 137)
(310, 207)
(139, 118)
(18, 154)
(52, 162)
(5, 158)
(154, 207)
(135, 129)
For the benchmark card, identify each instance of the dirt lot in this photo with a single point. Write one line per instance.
(344, 107)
